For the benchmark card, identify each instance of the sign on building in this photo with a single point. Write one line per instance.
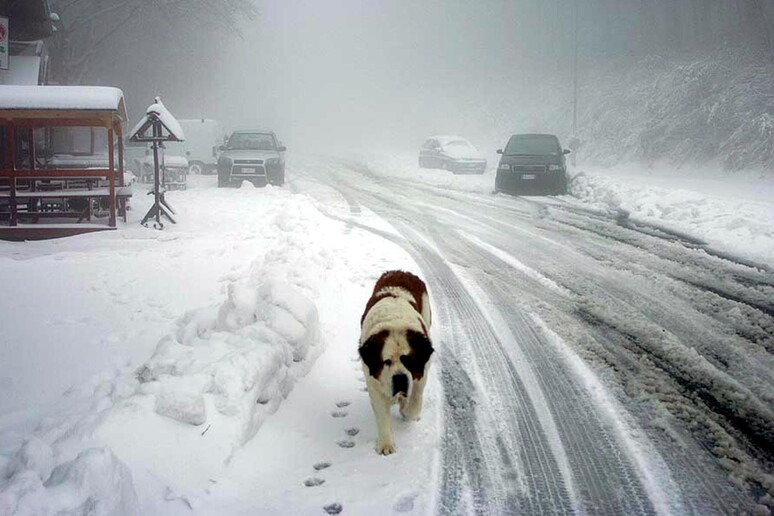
(4, 44)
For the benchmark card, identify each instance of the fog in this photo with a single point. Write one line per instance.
(364, 74)
(359, 74)
(339, 75)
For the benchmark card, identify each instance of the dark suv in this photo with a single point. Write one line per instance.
(532, 164)
(256, 156)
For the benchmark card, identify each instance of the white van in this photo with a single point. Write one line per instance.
(202, 138)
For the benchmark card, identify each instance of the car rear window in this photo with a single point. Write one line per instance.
(533, 145)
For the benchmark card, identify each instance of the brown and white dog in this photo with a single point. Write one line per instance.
(395, 350)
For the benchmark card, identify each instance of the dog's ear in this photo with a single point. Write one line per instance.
(371, 352)
(421, 348)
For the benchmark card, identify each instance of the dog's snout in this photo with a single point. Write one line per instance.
(399, 384)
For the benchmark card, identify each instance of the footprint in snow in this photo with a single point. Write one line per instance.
(339, 413)
(333, 508)
(352, 432)
(321, 465)
(342, 404)
(314, 481)
(346, 444)
(405, 503)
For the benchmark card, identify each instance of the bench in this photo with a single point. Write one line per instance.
(35, 198)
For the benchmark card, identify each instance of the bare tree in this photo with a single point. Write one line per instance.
(87, 26)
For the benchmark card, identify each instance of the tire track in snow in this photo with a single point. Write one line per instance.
(531, 466)
(549, 225)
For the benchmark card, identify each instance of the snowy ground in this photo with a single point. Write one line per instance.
(162, 341)
(733, 212)
(664, 321)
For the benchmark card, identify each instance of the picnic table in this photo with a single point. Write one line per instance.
(59, 190)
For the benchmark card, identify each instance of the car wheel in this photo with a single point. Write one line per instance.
(196, 168)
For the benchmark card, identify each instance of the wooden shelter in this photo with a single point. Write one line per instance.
(35, 184)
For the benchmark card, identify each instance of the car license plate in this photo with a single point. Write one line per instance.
(528, 176)
(248, 170)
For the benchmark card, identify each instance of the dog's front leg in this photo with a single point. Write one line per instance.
(413, 407)
(385, 445)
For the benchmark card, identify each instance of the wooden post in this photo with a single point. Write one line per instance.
(111, 179)
(11, 144)
(120, 140)
(156, 172)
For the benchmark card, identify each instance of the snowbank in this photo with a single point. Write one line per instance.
(205, 391)
(94, 483)
(734, 215)
(211, 384)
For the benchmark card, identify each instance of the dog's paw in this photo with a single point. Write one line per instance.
(409, 414)
(385, 448)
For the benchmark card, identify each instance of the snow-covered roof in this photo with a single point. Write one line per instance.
(159, 111)
(97, 98)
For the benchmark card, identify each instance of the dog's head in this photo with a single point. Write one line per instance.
(396, 359)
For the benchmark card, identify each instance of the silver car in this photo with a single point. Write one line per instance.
(452, 153)
(255, 156)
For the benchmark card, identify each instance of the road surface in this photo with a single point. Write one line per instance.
(590, 364)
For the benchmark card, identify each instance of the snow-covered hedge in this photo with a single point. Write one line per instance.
(717, 107)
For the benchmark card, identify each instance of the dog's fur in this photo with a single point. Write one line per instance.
(395, 350)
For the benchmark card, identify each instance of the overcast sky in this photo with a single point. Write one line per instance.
(365, 72)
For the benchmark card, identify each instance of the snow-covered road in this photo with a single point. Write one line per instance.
(589, 365)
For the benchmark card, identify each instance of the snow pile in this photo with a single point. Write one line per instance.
(234, 363)
(95, 483)
(210, 384)
(736, 217)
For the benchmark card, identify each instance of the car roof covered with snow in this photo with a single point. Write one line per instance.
(446, 139)
(170, 160)
(258, 131)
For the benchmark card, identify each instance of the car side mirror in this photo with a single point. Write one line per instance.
(222, 148)
(566, 151)
(282, 148)
(499, 151)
